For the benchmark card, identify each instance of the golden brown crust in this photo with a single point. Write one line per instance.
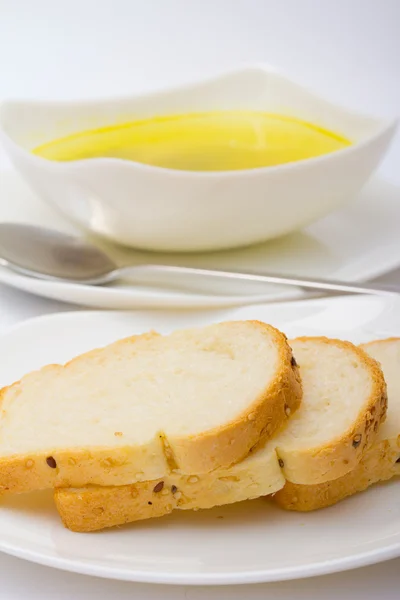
(341, 455)
(379, 464)
(90, 509)
(79, 467)
(93, 508)
(381, 341)
(216, 448)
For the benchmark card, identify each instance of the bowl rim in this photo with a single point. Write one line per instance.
(388, 127)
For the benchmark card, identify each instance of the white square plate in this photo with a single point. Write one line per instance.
(253, 541)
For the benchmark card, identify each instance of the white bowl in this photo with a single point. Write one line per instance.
(171, 210)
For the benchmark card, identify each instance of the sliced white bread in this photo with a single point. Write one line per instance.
(380, 463)
(96, 507)
(344, 402)
(195, 400)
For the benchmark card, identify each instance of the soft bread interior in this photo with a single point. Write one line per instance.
(327, 368)
(183, 384)
(336, 384)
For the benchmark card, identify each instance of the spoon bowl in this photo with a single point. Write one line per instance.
(49, 254)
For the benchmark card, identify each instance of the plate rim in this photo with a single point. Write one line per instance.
(140, 298)
(325, 567)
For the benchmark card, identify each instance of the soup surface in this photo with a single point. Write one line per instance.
(210, 141)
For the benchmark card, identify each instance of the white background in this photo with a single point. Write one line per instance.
(348, 50)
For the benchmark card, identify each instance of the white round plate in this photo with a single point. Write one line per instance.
(359, 242)
(124, 297)
(244, 543)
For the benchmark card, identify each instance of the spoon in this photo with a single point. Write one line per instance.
(53, 255)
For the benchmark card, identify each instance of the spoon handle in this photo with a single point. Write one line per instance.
(177, 276)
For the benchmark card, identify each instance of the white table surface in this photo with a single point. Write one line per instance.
(25, 580)
(348, 50)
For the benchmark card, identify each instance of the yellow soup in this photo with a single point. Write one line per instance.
(211, 141)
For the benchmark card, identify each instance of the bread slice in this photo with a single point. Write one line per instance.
(345, 401)
(92, 508)
(195, 400)
(343, 404)
(380, 463)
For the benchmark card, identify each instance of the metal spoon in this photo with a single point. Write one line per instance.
(52, 255)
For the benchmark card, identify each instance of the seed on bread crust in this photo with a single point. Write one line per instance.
(158, 487)
(357, 440)
(51, 462)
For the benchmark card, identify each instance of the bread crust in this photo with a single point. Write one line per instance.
(379, 464)
(216, 448)
(93, 508)
(342, 454)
